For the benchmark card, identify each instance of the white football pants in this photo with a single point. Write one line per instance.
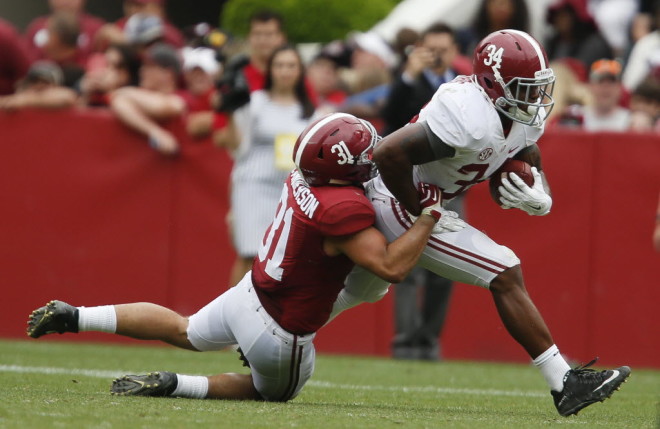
(467, 256)
(280, 362)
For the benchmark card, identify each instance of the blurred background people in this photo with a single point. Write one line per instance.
(42, 88)
(645, 106)
(261, 135)
(38, 33)
(201, 69)
(575, 34)
(369, 76)
(247, 73)
(144, 22)
(107, 71)
(14, 60)
(428, 66)
(645, 54)
(323, 76)
(156, 99)
(493, 15)
(603, 111)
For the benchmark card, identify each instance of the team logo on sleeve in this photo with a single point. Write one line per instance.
(485, 154)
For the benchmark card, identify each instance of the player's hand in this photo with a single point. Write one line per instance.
(430, 200)
(532, 200)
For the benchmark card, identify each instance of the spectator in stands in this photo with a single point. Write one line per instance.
(645, 55)
(615, 17)
(61, 46)
(14, 61)
(247, 73)
(41, 88)
(603, 112)
(107, 71)
(428, 66)
(261, 135)
(200, 72)
(493, 15)
(645, 106)
(155, 100)
(323, 76)
(369, 76)
(144, 22)
(575, 34)
(37, 34)
(571, 89)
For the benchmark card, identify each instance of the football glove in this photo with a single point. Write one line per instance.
(430, 198)
(532, 200)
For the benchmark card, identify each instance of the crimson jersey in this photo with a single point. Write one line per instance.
(296, 281)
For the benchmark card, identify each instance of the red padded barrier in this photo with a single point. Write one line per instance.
(91, 215)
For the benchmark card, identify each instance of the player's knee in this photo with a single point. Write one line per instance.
(508, 280)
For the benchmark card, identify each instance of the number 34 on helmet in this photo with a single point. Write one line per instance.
(337, 146)
(512, 69)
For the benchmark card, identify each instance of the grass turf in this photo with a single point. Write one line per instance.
(66, 385)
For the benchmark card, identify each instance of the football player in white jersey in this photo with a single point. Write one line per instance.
(460, 138)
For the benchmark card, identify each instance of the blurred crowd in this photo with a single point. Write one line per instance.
(605, 53)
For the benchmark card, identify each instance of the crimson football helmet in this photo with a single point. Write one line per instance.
(512, 68)
(337, 146)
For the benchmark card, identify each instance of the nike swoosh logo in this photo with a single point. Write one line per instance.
(537, 207)
(511, 150)
(614, 375)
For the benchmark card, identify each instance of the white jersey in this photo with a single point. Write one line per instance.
(462, 117)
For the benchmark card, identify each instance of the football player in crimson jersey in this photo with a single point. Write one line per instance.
(461, 137)
(322, 228)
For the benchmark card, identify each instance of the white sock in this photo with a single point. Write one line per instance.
(343, 302)
(553, 367)
(102, 319)
(191, 386)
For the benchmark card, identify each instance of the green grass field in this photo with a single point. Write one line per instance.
(66, 385)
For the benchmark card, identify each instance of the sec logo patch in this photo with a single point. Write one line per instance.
(485, 154)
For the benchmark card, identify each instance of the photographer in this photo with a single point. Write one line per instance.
(429, 64)
(246, 74)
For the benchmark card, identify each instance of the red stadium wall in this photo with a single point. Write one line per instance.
(91, 215)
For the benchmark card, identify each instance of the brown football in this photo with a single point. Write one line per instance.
(521, 168)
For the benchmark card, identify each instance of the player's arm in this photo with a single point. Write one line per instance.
(392, 262)
(396, 154)
(532, 156)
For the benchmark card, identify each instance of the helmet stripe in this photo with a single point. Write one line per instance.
(313, 131)
(535, 45)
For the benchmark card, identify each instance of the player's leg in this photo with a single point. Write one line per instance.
(520, 316)
(469, 256)
(210, 329)
(141, 320)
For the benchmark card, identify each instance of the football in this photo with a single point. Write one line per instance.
(521, 168)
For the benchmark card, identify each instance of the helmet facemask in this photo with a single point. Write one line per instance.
(525, 97)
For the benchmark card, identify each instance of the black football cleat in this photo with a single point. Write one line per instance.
(583, 387)
(56, 316)
(151, 384)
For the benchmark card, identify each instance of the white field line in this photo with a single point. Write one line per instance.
(312, 383)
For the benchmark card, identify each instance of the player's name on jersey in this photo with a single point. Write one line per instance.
(303, 196)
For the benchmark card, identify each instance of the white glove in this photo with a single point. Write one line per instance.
(449, 222)
(534, 201)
